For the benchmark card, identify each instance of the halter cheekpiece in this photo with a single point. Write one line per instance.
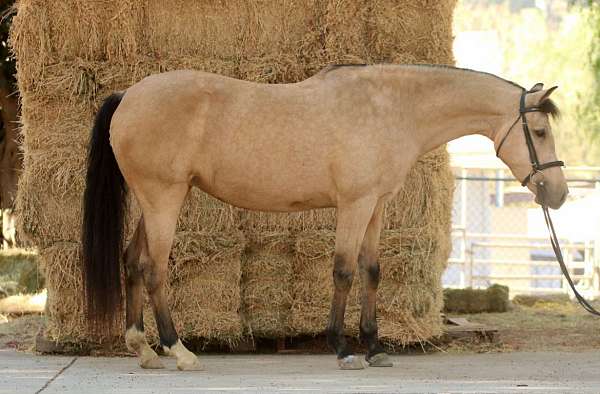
(535, 164)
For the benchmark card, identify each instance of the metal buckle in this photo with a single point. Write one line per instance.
(530, 177)
(534, 173)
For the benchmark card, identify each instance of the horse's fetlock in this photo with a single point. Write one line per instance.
(332, 338)
(368, 333)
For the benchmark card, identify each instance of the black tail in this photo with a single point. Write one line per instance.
(102, 232)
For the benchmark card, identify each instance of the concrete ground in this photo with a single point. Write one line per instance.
(540, 372)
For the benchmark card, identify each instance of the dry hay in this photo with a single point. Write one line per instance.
(266, 287)
(312, 284)
(409, 296)
(71, 54)
(60, 264)
(469, 300)
(204, 272)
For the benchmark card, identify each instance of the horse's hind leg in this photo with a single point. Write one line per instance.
(352, 221)
(134, 336)
(160, 219)
(368, 264)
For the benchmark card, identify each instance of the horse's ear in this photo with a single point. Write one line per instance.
(548, 92)
(537, 87)
(539, 96)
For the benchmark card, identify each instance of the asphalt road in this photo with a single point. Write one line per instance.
(540, 372)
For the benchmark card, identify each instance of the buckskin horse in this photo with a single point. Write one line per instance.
(344, 138)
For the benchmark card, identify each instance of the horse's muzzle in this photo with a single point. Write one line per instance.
(551, 199)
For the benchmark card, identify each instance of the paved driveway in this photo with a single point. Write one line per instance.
(542, 372)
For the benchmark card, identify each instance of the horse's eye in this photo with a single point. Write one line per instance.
(540, 132)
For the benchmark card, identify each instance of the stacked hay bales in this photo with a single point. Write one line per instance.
(266, 284)
(232, 272)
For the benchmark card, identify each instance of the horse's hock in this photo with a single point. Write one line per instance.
(233, 273)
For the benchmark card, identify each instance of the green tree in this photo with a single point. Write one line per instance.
(590, 113)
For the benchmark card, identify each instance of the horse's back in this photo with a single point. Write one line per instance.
(237, 140)
(259, 146)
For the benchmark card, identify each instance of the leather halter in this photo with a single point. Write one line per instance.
(533, 158)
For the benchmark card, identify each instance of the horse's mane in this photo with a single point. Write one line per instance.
(468, 70)
(334, 67)
(547, 106)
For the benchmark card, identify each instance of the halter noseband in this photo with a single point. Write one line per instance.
(535, 164)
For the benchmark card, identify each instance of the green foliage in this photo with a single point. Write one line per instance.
(591, 112)
(558, 47)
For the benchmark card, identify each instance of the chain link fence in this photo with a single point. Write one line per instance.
(499, 234)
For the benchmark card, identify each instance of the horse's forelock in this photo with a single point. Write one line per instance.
(549, 107)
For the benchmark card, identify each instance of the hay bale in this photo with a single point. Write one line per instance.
(541, 300)
(312, 284)
(73, 53)
(204, 272)
(64, 305)
(409, 296)
(266, 284)
(204, 287)
(492, 299)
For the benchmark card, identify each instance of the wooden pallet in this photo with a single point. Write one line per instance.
(459, 327)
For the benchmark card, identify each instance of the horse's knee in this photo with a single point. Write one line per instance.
(369, 267)
(343, 279)
(373, 274)
(343, 274)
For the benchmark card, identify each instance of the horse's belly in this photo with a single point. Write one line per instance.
(267, 196)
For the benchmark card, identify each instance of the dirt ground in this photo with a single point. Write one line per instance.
(545, 326)
(19, 332)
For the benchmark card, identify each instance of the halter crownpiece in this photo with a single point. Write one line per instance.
(535, 164)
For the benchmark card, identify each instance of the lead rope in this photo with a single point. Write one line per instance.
(563, 267)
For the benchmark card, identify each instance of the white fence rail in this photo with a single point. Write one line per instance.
(493, 243)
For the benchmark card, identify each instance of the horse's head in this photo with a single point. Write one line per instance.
(527, 147)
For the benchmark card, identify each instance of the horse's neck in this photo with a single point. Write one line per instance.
(448, 104)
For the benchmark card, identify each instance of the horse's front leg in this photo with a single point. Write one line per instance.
(352, 221)
(368, 262)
